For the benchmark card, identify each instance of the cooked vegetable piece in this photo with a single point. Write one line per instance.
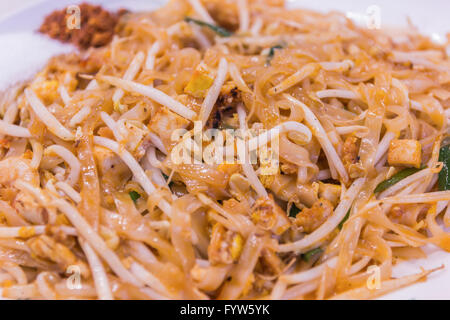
(272, 53)
(444, 174)
(219, 30)
(134, 195)
(347, 215)
(293, 211)
(311, 253)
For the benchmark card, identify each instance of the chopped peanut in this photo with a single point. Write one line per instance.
(269, 216)
(312, 218)
(405, 152)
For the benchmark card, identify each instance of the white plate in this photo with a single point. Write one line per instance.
(431, 17)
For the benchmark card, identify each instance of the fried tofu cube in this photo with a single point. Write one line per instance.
(405, 152)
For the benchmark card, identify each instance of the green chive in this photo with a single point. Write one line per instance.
(219, 30)
(444, 174)
(134, 195)
(311, 253)
(347, 215)
(396, 178)
(293, 211)
(272, 53)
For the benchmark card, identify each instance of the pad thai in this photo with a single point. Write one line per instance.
(94, 206)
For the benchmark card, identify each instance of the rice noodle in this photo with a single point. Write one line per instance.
(146, 277)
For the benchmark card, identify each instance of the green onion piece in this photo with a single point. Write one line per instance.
(272, 50)
(293, 211)
(396, 178)
(166, 177)
(219, 30)
(444, 174)
(347, 215)
(311, 253)
(134, 195)
(272, 53)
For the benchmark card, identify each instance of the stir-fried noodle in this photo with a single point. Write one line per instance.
(93, 205)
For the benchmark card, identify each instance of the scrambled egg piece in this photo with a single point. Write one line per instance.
(47, 90)
(199, 84)
(269, 216)
(225, 246)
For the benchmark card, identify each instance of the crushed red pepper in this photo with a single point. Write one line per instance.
(97, 26)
